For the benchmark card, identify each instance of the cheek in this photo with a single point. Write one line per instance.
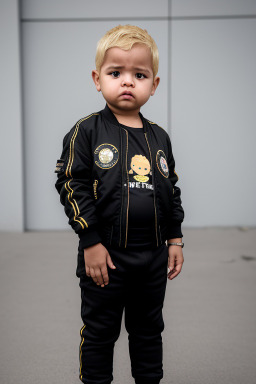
(110, 86)
(146, 90)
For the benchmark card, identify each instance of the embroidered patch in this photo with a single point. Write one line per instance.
(59, 166)
(106, 156)
(161, 162)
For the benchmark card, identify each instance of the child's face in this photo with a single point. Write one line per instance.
(126, 78)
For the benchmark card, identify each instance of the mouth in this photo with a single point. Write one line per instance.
(127, 95)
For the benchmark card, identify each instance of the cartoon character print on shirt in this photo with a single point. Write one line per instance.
(140, 171)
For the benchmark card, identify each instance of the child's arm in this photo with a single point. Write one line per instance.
(176, 259)
(74, 184)
(177, 212)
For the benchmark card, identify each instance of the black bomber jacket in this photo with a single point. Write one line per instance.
(93, 181)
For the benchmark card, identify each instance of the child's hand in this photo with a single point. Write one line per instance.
(96, 259)
(175, 261)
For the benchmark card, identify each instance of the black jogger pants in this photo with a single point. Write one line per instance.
(137, 285)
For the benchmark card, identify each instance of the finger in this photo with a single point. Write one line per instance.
(99, 276)
(178, 267)
(87, 269)
(105, 276)
(173, 273)
(171, 262)
(110, 262)
(93, 275)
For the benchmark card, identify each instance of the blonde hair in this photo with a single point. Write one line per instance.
(124, 37)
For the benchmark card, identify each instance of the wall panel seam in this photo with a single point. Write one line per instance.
(22, 144)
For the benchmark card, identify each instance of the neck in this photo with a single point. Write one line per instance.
(130, 121)
(130, 118)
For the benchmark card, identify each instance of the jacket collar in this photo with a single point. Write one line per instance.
(111, 117)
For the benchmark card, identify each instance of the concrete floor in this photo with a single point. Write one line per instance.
(209, 311)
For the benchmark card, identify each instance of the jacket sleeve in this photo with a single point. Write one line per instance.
(74, 184)
(177, 212)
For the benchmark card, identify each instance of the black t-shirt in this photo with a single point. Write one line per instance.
(141, 214)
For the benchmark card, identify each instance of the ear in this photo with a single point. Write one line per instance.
(96, 79)
(155, 85)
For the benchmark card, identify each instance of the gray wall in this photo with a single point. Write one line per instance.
(11, 181)
(213, 109)
(206, 100)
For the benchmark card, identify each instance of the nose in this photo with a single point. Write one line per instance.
(128, 81)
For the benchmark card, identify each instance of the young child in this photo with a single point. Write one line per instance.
(117, 182)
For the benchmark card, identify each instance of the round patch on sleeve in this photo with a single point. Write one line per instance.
(106, 156)
(161, 162)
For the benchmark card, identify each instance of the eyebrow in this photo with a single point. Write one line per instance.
(121, 67)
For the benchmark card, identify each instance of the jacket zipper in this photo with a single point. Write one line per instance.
(122, 203)
(153, 189)
(127, 191)
(121, 212)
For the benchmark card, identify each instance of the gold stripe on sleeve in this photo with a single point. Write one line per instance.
(72, 201)
(72, 143)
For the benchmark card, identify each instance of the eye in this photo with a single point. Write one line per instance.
(115, 74)
(145, 169)
(140, 76)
